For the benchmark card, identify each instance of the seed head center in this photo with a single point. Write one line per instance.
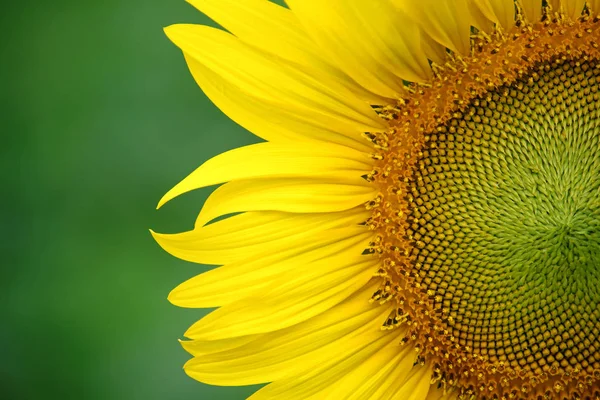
(489, 215)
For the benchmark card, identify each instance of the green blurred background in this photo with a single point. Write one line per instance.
(100, 117)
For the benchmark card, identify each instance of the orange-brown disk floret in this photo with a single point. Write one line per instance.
(448, 263)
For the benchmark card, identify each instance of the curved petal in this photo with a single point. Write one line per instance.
(270, 120)
(246, 235)
(263, 24)
(296, 195)
(275, 351)
(292, 351)
(277, 308)
(270, 79)
(341, 376)
(274, 160)
(501, 12)
(555, 4)
(440, 393)
(532, 10)
(386, 367)
(483, 19)
(434, 51)
(573, 8)
(389, 375)
(373, 42)
(594, 5)
(415, 387)
(326, 252)
(351, 315)
(274, 29)
(448, 22)
(289, 351)
(203, 347)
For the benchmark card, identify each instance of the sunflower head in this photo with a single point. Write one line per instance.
(423, 220)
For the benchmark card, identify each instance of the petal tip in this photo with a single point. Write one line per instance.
(168, 31)
(190, 332)
(174, 297)
(166, 198)
(171, 297)
(179, 297)
(156, 236)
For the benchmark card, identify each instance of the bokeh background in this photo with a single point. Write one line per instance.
(100, 117)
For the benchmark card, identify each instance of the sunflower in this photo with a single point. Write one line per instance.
(422, 220)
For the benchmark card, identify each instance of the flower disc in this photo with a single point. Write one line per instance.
(497, 204)
(506, 222)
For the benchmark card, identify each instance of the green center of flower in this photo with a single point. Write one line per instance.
(505, 221)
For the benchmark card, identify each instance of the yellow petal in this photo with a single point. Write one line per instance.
(573, 8)
(296, 195)
(434, 51)
(251, 277)
(277, 309)
(323, 379)
(446, 21)
(274, 160)
(395, 378)
(301, 347)
(271, 79)
(371, 41)
(594, 5)
(245, 235)
(532, 10)
(348, 316)
(263, 24)
(555, 4)
(483, 19)
(272, 120)
(373, 376)
(202, 347)
(501, 12)
(274, 29)
(439, 393)
(415, 387)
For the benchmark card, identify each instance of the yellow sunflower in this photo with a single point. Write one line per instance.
(422, 220)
